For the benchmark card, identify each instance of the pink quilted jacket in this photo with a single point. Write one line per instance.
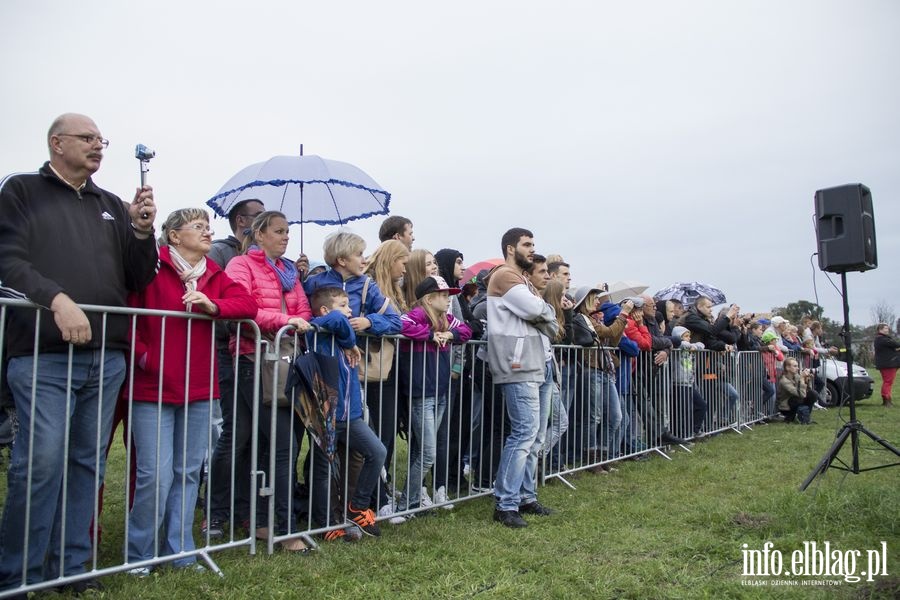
(253, 272)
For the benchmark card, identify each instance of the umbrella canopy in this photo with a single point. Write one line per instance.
(689, 292)
(307, 189)
(628, 288)
(481, 265)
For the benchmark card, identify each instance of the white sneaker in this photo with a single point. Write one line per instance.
(139, 572)
(425, 499)
(466, 470)
(388, 511)
(819, 406)
(440, 497)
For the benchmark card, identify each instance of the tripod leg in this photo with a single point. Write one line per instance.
(829, 457)
(879, 440)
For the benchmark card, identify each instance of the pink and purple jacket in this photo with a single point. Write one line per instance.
(425, 366)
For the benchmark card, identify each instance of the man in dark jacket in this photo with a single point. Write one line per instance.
(650, 381)
(714, 334)
(63, 241)
(240, 218)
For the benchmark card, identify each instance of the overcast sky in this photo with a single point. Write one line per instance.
(656, 140)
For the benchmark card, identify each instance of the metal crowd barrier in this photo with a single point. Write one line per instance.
(269, 479)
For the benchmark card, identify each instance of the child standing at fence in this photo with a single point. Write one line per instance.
(687, 421)
(334, 337)
(772, 357)
(373, 315)
(425, 374)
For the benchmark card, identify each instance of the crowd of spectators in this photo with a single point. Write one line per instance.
(555, 378)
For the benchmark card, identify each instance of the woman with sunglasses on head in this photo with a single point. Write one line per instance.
(173, 381)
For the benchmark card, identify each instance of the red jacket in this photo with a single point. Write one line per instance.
(259, 278)
(164, 293)
(639, 334)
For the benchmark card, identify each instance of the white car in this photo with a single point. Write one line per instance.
(835, 373)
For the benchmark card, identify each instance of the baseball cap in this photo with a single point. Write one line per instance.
(434, 283)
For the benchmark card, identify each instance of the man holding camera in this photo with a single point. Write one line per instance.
(63, 241)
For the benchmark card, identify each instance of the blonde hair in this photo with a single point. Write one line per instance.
(553, 295)
(259, 225)
(415, 273)
(438, 320)
(342, 244)
(381, 263)
(178, 219)
(588, 301)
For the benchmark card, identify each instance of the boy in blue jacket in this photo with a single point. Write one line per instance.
(336, 337)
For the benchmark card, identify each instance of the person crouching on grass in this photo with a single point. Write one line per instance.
(795, 394)
(425, 373)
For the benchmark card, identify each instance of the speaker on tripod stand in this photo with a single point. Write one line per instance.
(845, 233)
(845, 229)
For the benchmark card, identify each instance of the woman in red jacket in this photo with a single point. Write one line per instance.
(174, 382)
(278, 292)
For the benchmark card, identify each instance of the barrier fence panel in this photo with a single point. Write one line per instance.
(261, 460)
(70, 402)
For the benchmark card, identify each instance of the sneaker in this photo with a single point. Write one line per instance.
(350, 534)
(364, 519)
(387, 512)
(194, 566)
(534, 508)
(510, 518)
(440, 497)
(213, 528)
(425, 499)
(139, 572)
(466, 470)
(819, 406)
(668, 439)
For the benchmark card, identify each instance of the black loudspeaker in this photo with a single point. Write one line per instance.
(845, 229)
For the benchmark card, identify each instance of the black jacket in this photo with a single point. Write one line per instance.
(887, 355)
(55, 239)
(704, 331)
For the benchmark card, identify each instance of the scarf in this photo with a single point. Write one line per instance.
(189, 275)
(287, 274)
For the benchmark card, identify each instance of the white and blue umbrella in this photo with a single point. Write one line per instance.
(688, 293)
(307, 189)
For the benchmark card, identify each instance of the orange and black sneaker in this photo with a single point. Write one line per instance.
(364, 519)
(335, 535)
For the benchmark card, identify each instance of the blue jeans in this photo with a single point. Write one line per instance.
(170, 444)
(360, 437)
(517, 472)
(768, 397)
(426, 415)
(559, 419)
(608, 413)
(91, 400)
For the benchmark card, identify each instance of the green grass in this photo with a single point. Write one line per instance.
(654, 529)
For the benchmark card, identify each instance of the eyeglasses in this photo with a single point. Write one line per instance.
(251, 216)
(87, 138)
(197, 227)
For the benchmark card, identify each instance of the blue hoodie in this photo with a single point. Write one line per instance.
(335, 335)
(387, 323)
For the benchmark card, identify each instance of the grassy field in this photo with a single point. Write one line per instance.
(654, 529)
